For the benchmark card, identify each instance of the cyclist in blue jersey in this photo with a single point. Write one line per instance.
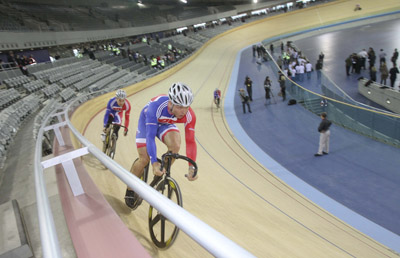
(114, 111)
(217, 97)
(158, 119)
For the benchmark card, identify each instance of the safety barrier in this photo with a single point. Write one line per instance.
(368, 121)
(213, 241)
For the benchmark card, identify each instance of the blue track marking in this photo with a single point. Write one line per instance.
(289, 136)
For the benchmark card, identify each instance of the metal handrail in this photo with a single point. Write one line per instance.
(48, 234)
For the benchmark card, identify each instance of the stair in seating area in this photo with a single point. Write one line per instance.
(314, 105)
(14, 239)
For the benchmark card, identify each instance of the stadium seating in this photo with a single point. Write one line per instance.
(55, 83)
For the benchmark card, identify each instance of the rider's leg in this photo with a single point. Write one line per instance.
(116, 129)
(109, 121)
(138, 166)
(132, 199)
(173, 141)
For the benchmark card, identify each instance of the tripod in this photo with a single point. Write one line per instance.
(271, 97)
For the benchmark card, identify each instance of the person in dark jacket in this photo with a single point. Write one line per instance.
(393, 75)
(318, 67)
(282, 84)
(394, 57)
(371, 57)
(245, 100)
(348, 62)
(372, 73)
(267, 88)
(324, 134)
(249, 87)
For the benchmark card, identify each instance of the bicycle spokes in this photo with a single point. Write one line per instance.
(162, 231)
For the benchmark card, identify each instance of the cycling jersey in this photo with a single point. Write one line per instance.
(156, 121)
(114, 110)
(217, 94)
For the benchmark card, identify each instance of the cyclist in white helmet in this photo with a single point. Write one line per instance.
(115, 108)
(158, 119)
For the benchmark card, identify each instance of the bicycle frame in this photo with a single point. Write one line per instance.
(110, 143)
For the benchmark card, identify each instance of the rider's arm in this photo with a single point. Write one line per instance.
(127, 113)
(151, 132)
(191, 146)
(107, 114)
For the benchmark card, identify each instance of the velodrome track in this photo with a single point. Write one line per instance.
(232, 187)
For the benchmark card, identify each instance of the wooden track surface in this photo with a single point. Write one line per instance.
(234, 193)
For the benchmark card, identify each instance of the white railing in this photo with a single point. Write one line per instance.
(213, 241)
(48, 234)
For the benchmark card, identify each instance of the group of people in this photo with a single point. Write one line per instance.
(157, 119)
(160, 61)
(17, 61)
(122, 48)
(259, 51)
(296, 66)
(246, 96)
(357, 61)
(324, 126)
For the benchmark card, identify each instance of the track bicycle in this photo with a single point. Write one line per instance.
(162, 232)
(110, 143)
(217, 101)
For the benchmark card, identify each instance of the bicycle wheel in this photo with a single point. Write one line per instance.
(145, 173)
(105, 144)
(112, 146)
(137, 200)
(163, 232)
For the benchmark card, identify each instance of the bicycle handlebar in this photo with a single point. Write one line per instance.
(177, 156)
(124, 127)
(120, 126)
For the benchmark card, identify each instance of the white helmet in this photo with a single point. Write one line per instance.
(180, 94)
(120, 94)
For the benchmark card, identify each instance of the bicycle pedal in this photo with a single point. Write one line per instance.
(132, 199)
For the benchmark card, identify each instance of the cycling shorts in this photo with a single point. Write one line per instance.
(162, 130)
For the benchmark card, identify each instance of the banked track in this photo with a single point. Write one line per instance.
(234, 193)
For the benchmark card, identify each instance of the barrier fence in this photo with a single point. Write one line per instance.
(368, 121)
